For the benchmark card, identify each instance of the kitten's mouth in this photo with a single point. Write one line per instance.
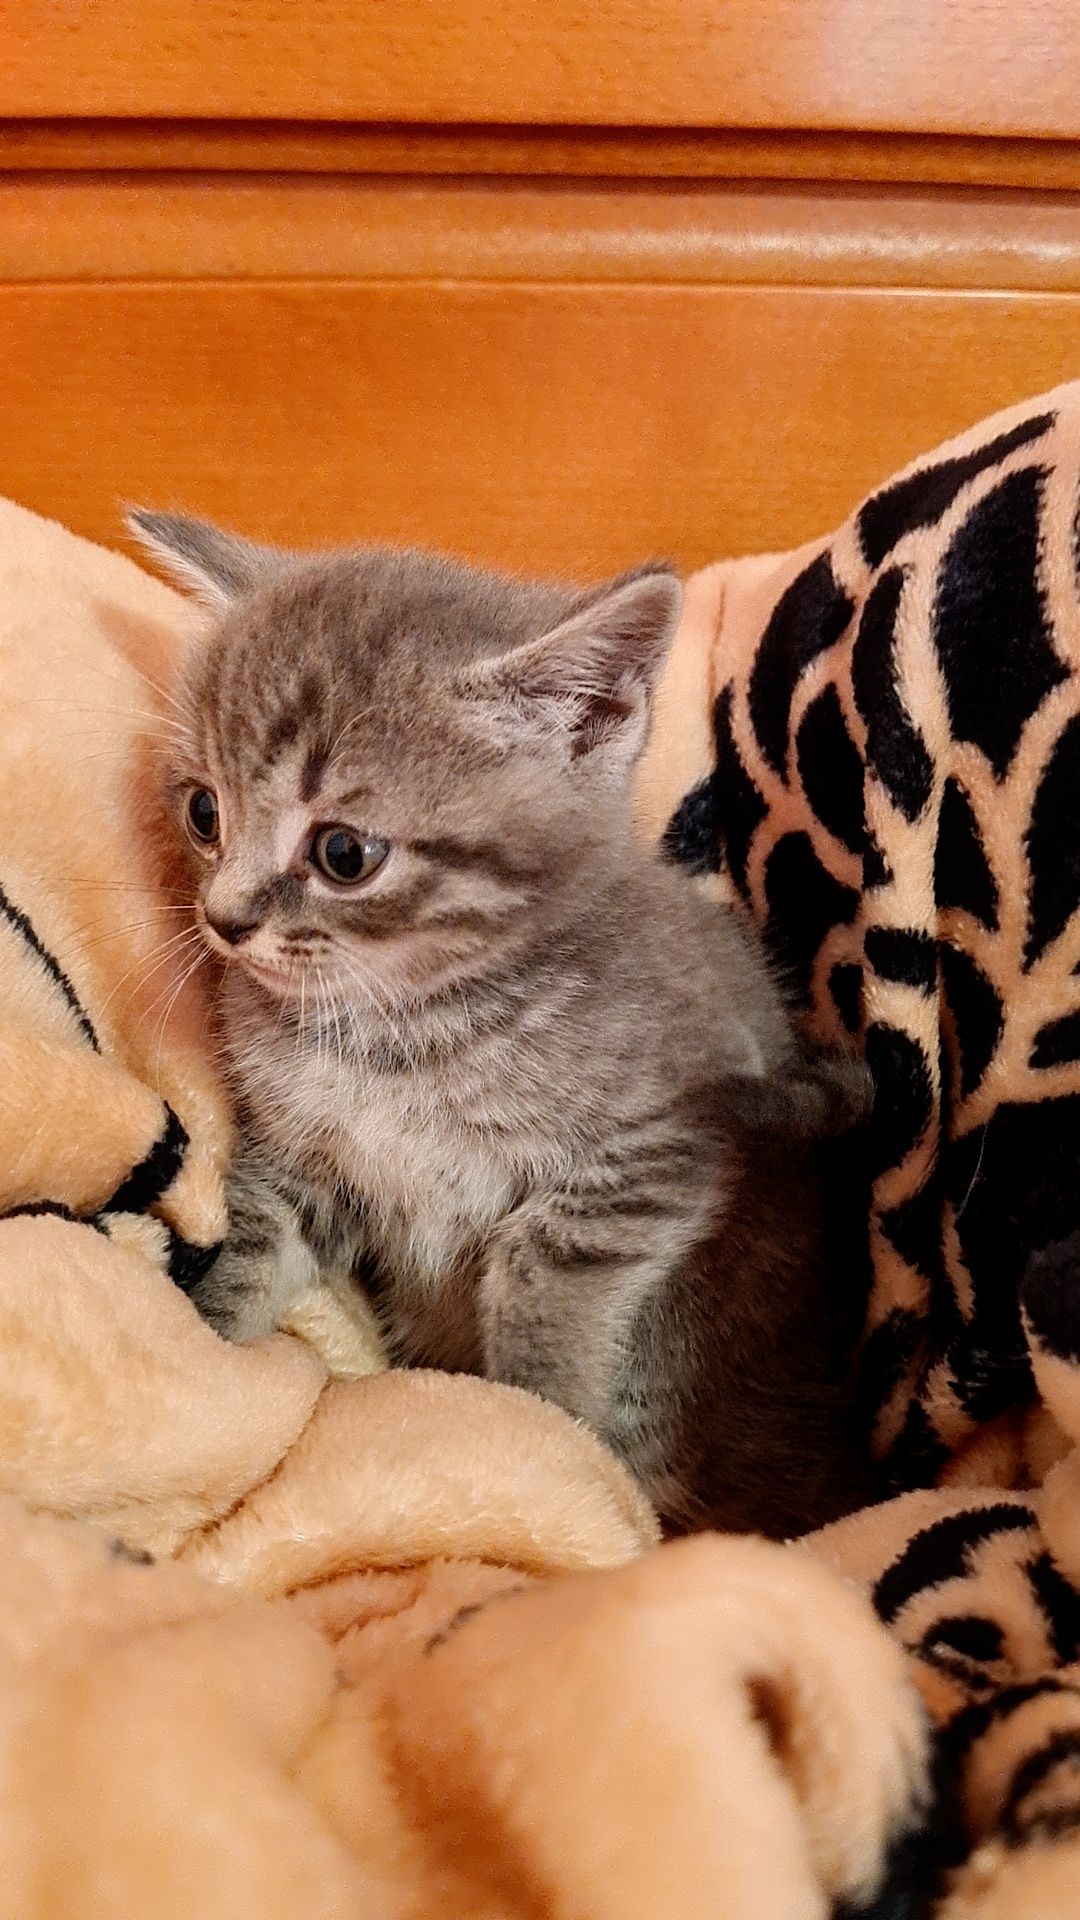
(275, 974)
(273, 971)
(277, 977)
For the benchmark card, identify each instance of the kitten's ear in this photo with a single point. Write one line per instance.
(589, 679)
(216, 567)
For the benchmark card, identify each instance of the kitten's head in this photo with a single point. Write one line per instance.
(398, 768)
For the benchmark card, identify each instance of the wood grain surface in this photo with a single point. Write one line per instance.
(547, 427)
(559, 152)
(931, 66)
(334, 227)
(554, 283)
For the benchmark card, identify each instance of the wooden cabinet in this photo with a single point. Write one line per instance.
(556, 283)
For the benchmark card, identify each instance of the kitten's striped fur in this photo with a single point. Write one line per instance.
(524, 1078)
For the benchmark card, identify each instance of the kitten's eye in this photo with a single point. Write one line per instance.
(345, 856)
(201, 815)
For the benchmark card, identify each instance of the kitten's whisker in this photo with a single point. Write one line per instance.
(317, 985)
(180, 958)
(90, 759)
(160, 1031)
(303, 1008)
(168, 950)
(120, 886)
(118, 750)
(334, 1046)
(283, 1008)
(117, 933)
(104, 713)
(324, 1016)
(339, 1045)
(108, 674)
(327, 1015)
(164, 694)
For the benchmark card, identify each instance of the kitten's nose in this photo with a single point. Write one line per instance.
(233, 930)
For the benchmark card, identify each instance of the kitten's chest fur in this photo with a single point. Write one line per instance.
(433, 1177)
(417, 1160)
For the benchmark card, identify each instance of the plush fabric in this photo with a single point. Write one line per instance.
(883, 769)
(407, 1644)
(890, 788)
(113, 1111)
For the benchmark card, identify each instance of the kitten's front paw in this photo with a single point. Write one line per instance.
(243, 1296)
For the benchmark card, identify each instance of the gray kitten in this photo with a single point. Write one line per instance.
(489, 1054)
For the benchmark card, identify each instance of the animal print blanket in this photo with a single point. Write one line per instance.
(283, 1635)
(886, 775)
